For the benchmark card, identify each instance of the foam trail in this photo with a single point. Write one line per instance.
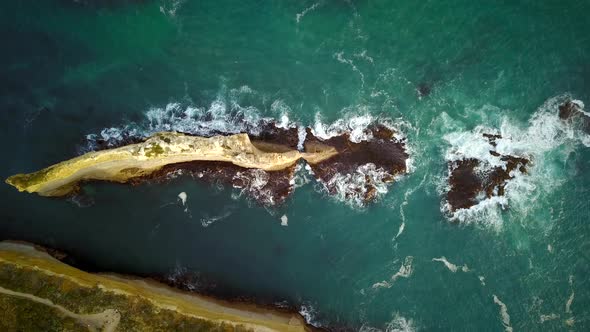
(568, 310)
(452, 267)
(400, 230)
(504, 314)
(407, 195)
(207, 221)
(405, 271)
(299, 16)
(340, 57)
(568, 304)
(363, 55)
(570, 300)
(545, 318)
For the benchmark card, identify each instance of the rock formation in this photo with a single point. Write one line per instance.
(262, 165)
(364, 165)
(140, 160)
(472, 180)
(571, 110)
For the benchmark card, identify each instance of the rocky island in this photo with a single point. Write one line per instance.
(261, 165)
(133, 161)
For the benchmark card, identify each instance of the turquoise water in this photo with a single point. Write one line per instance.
(73, 69)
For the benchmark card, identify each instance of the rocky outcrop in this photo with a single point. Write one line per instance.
(40, 293)
(136, 161)
(472, 180)
(359, 168)
(572, 110)
(262, 165)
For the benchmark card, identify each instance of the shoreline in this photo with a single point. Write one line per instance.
(185, 304)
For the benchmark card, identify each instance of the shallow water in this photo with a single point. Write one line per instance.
(71, 70)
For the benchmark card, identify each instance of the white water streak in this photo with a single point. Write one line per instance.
(340, 57)
(504, 314)
(299, 16)
(405, 271)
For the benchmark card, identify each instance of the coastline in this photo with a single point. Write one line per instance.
(18, 259)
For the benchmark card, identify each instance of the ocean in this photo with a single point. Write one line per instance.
(441, 73)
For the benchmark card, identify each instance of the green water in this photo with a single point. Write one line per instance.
(71, 69)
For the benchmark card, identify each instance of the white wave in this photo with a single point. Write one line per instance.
(281, 110)
(405, 271)
(352, 188)
(407, 195)
(299, 16)
(224, 115)
(482, 280)
(400, 324)
(549, 317)
(309, 313)
(284, 220)
(504, 314)
(357, 126)
(301, 135)
(452, 267)
(301, 177)
(545, 138)
(252, 183)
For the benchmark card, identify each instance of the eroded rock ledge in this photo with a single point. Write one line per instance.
(38, 292)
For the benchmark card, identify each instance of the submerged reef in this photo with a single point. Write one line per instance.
(40, 293)
(262, 165)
